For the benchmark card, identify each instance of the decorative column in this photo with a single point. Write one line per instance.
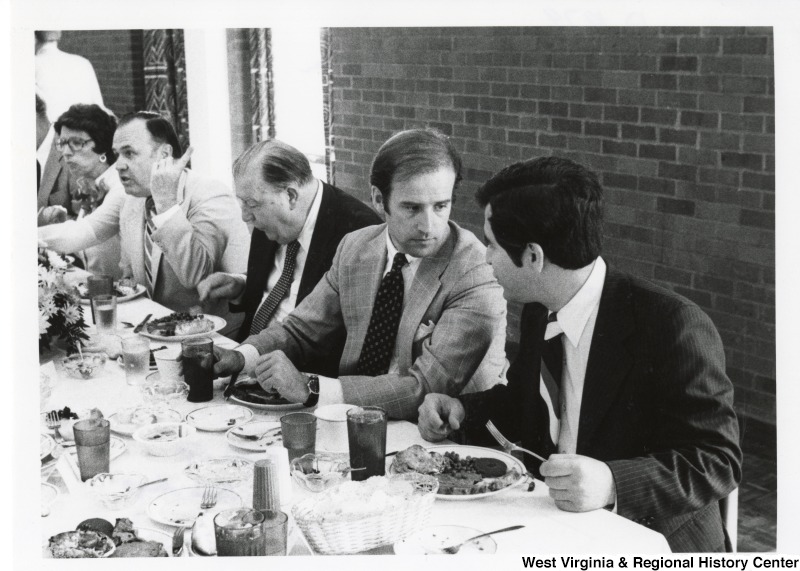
(326, 58)
(261, 85)
(165, 79)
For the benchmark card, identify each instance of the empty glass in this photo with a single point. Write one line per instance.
(136, 356)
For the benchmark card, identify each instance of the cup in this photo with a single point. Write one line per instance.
(93, 445)
(366, 436)
(99, 285)
(245, 532)
(104, 312)
(299, 431)
(168, 365)
(197, 356)
(136, 357)
(332, 422)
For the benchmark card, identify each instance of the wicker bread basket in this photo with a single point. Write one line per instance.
(350, 533)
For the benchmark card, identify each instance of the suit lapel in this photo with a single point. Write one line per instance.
(609, 356)
(316, 265)
(423, 289)
(50, 171)
(365, 276)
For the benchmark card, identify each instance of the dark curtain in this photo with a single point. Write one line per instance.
(327, 100)
(165, 79)
(261, 85)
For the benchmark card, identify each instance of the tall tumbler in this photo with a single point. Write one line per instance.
(99, 285)
(366, 435)
(197, 356)
(104, 309)
(93, 445)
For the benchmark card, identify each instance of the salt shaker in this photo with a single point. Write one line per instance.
(266, 490)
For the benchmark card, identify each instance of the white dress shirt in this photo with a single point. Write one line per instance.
(577, 320)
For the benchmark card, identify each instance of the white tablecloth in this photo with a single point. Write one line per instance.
(547, 529)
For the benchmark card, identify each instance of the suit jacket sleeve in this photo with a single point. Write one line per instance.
(195, 237)
(693, 457)
(96, 228)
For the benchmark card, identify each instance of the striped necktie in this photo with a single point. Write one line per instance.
(268, 307)
(149, 228)
(376, 353)
(552, 364)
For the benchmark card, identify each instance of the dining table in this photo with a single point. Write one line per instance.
(547, 529)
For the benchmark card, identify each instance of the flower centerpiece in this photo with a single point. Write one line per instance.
(60, 312)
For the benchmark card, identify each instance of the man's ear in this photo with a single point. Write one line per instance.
(533, 257)
(165, 151)
(293, 195)
(377, 200)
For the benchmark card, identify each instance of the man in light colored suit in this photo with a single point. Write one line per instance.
(176, 227)
(413, 298)
(620, 382)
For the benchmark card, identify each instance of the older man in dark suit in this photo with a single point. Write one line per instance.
(620, 382)
(298, 223)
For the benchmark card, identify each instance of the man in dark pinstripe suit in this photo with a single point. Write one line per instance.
(640, 418)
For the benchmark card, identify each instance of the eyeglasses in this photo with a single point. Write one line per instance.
(75, 143)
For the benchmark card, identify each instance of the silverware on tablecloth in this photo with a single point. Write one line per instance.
(142, 324)
(126, 324)
(203, 539)
(507, 445)
(254, 436)
(178, 538)
(229, 389)
(453, 549)
(153, 482)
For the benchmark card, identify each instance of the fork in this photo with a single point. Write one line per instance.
(178, 538)
(275, 429)
(507, 445)
(209, 499)
(453, 549)
(52, 421)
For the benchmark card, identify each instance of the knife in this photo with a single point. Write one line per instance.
(143, 323)
(229, 389)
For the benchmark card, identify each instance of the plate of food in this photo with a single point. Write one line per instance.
(255, 436)
(248, 392)
(80, 544)
(220, 470)
(181, 507)
(124, 290)
(46, 445)
(464, 472)
(218, 417)
(179, 326)
(130, 540)
(129, 420)
(433, 540)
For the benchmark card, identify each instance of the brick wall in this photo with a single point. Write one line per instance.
(678, 123)
(118, 63)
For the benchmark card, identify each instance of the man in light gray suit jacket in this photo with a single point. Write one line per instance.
(416, 304)
(195, 225)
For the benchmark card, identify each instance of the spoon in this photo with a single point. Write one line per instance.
(453, 549)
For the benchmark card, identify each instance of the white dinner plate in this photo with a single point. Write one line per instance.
(220, 470)
(139, 290)
(128, 428)
(181, 507)
(477, 452)
(49, 494)
(117, 447)
(218, 322)
(431, 541)
(46, 445)
(218, 417)
(244, 380)
(271, 438)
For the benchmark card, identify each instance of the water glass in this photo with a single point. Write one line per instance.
(299, 430)
(246, 532)
(136, 356)
(93, 445)
(366, 435)
(99, 285)
(197, 356)
(104, 311)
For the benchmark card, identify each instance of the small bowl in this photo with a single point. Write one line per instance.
(318, 472)
(165, 390)
(116, 490)
(164, 438)
(84, 366)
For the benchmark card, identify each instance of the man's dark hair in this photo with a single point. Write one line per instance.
(411, 153)
(280, 164)
(159, 128)
(550, 201)
(47, 35)
(41, 107)
(95, 122)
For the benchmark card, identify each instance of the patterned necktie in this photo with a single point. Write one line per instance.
(552, 366)
(149, 228)
(376, 354)
(268, 307)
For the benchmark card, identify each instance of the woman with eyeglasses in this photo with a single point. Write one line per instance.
(84, 138)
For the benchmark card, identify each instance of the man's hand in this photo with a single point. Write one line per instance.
(439, 415)
(227, 362)
(164, 178)
(579, 483)
(275, 371)
(220, 285)
(52, 215)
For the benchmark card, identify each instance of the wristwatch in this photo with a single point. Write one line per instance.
(313, 391)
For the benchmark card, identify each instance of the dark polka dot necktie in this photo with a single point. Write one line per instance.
(376, 354)
(268, 307)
